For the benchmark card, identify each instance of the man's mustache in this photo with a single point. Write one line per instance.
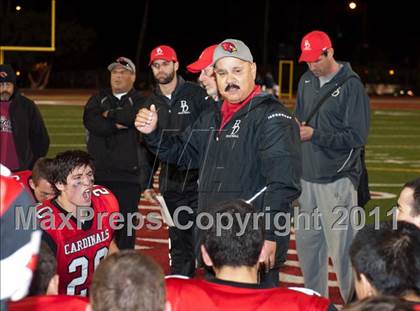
(231, 86)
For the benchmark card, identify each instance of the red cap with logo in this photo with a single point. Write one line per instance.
(164, 52)
(313, 45)
(205, 60)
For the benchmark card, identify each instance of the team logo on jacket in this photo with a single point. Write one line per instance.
(185, 109)
(5, 125)
(229, 47)
(235, 130)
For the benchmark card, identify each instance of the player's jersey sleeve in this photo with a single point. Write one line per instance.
(105, 202)
(106, 199)
(23, 177)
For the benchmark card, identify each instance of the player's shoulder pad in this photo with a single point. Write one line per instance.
(44, 210)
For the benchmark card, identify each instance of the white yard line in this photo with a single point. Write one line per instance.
(394, 136)
(76, 102)
(393, 161)
(396, 113)
(160, 241)
(385, 185)
(393, 146)
(393, 128)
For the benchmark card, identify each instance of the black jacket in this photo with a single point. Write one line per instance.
(258, 147)
(341, 126)
(29, 131)
(187, 102)
(119, 154)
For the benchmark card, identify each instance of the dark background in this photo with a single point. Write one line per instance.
(376, 37)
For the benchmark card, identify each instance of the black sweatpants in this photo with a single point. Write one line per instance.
(271, 279)
(182, 256)
(128, 196)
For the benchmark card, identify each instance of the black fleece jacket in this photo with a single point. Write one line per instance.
(259, 147)
(187, 102)
(29, 131)
(119, 154)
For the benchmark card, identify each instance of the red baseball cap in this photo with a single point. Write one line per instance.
(313, 45)
(164, 52)
(205, 59)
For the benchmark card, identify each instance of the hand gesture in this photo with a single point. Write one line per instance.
(146, 120)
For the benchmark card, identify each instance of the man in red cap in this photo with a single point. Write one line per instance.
(179, 103)
(204, 66)
(334, 116)
(246, 146)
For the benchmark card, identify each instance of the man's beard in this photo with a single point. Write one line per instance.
(166, 79)
(316, 73)
(5, 96)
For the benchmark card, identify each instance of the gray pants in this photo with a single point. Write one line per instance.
(329, 233)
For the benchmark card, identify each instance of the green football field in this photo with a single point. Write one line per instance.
(392, 152)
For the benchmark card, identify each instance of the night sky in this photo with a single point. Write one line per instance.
(390, 33)
(189, 28)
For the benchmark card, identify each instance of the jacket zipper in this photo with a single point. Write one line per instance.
(345, 162)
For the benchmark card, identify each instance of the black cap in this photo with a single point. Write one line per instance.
(7, 74)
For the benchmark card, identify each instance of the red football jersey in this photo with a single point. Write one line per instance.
(50, 303)
(196, 294)
(23, 178)
(79, 247)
